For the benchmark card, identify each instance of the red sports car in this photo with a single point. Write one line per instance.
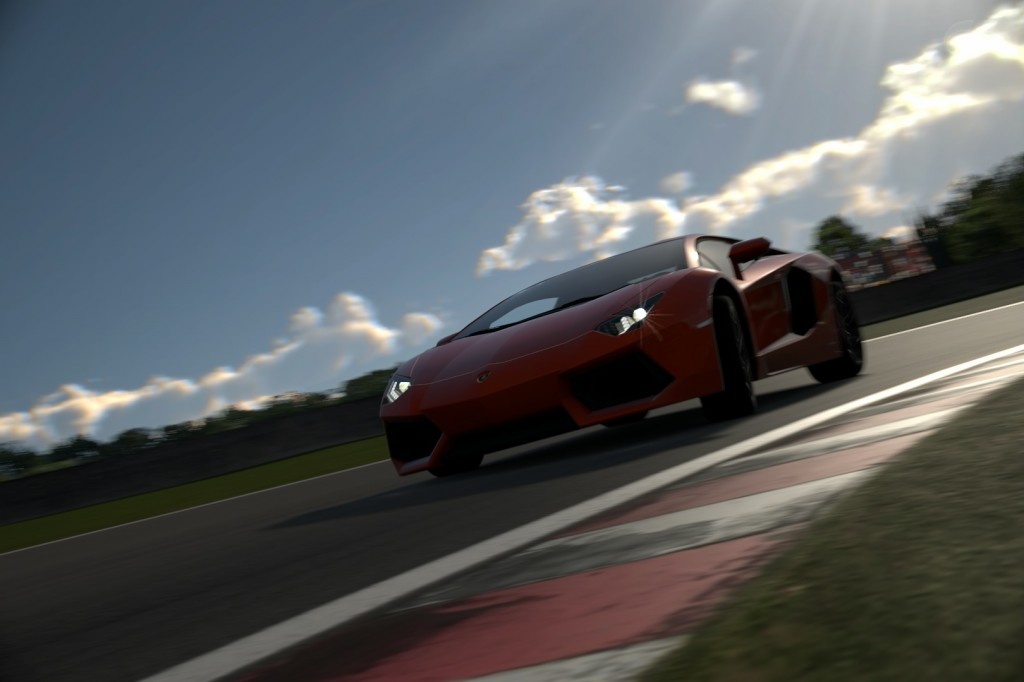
(691, 317)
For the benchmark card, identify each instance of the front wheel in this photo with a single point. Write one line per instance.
(851, 359)
(737, 397)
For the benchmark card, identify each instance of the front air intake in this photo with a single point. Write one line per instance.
(412, 439)
(622, 380)
(533, 428)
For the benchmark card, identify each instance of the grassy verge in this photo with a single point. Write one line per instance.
(96, 517)
(914, 576)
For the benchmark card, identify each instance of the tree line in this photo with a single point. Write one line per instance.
(17, 460)
(983, 216)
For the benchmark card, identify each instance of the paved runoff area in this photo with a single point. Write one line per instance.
(604, 599)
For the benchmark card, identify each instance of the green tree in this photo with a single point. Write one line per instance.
(985, 213)
(878, 243)
(835, 237)
(173, 433)
(230, 418)
(316, 399)
(930, 233)
(15, 460)
(76, 448)
(369, 385)
(128, 442)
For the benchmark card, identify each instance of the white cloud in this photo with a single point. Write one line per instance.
(322, 350)
(900, 234)
(305, 319)
(956, 101)
(418, 327)
(676, 183)
(869, 201)
(580, 215)
(747, 192)
(729, 95)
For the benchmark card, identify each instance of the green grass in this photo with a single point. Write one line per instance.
(96, 517)
(916, 575)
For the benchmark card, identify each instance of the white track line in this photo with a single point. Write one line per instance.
(820, 446)
(344, 471)
(256, 647)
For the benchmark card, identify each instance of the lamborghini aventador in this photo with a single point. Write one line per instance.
(691, 317)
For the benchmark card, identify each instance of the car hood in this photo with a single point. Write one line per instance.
(473, 353)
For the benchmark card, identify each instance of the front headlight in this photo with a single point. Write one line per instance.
(396, 388)
(628, 319)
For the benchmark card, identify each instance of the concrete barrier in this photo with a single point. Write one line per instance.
(938, 288)
(174, 464)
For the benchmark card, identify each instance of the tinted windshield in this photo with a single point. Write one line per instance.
(582, 284)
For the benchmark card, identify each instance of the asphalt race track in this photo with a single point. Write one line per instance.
(128, 602)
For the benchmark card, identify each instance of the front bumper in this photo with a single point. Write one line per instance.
(588, 380)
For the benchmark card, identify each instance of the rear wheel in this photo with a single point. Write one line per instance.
(737, 397)
(461, 465)
(850, 362)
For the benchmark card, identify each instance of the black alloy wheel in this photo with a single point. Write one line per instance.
(851, 358)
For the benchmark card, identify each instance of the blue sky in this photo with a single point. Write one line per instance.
(207, 203)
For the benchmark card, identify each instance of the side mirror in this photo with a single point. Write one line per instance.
(447, 339)
(745, 251)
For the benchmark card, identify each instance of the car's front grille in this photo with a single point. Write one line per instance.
(536, 427)
(412, 439)
(622, 380)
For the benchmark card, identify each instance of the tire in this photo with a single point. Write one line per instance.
(737, 398)
(462, 465)
(850, 362)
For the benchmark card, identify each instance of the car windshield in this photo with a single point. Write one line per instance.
(581, 285)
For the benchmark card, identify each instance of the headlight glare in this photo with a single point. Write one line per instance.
(622, 322)
(396, 388)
